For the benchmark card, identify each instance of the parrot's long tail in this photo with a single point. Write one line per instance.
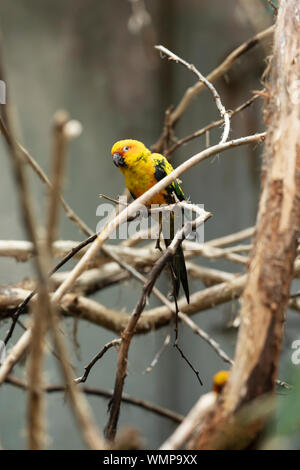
(180, 272)
(178, 265)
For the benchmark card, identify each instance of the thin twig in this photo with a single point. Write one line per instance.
(219, 71)
(23, 250)
(274, 7)
(115, 201)
(224, 114)
(158, 354)
(160, 411)
(207, 128)
(128, 333)
(81, 408)
(95, 359)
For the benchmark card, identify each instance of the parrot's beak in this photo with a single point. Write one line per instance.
(118, 160)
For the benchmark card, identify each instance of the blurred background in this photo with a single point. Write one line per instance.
(97, 61)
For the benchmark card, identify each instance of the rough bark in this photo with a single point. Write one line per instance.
(270, 270)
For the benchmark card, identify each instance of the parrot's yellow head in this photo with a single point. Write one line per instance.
(128, 152)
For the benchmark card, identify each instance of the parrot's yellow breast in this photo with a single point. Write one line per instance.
(141, 177)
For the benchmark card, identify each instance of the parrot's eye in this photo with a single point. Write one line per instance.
(126, 148)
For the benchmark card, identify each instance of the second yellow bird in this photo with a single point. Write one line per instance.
(142, 170)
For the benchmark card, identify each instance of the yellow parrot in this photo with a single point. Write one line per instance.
(220, 379)
(142, 170)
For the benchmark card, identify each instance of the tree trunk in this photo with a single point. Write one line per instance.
(271, 267)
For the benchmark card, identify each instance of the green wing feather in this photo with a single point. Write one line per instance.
(163, 168)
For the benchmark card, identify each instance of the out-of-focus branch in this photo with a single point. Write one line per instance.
(196, 329)
(139, 257)
(208, 127)
(159, 354)
(87, 426)
(100, 392)
(14, 355)
(44, 178)
(135, 205)
(36, 409)
(58, 164)
(271, 268)
(80, 405)
(209, 276)
(74, 305)
(42, 311)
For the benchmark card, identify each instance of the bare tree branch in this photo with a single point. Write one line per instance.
(128, 333)
(136, 204)
(219, 71)
(208, 127)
